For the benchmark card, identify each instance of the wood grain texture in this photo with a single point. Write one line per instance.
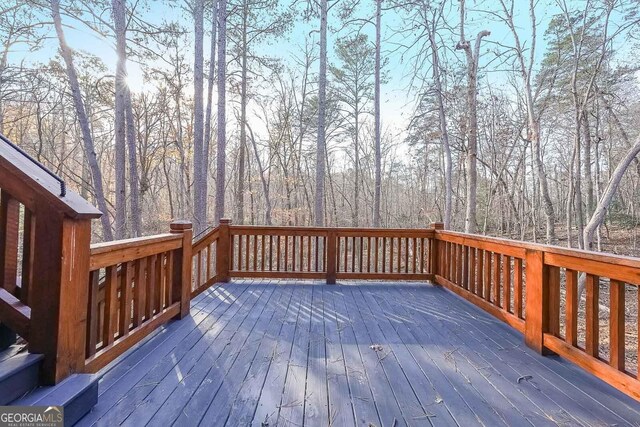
(260, 352)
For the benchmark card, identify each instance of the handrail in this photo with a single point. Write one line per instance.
(63, 187)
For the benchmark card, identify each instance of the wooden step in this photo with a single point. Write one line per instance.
(77, 394)
(18, 376)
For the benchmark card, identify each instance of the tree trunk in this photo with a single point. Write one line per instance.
(444, 132)
(322, 100)
(605, 200)
(207, 125)
(243, 120)
(472, 120)
(377, 130)
(119, 19)
(87, 139)
(221, 160)
(199, 188)
(119, 13)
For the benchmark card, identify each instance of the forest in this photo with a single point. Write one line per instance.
(509, 118)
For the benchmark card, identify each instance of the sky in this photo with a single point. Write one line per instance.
(397, 99)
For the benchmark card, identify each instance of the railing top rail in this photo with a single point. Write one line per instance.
(27, 181)
(267, 228)
(63, 187)
(619, 260)
(112, 253)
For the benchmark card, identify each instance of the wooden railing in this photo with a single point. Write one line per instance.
(535, 289)
(311, 253)
(135, 286)
(17, 239)
(44, 245)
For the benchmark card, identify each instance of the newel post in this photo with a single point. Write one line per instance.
(60, 289)
(331, 257)
(182, 262)
(434, 249)
(223, 252)
(537, 301)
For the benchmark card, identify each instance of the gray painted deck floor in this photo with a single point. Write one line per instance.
(291, 354)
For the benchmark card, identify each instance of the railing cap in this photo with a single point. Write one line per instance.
(180, 225)
(225, 221)
(437, 225)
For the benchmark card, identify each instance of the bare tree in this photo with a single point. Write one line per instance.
(221, 161)
(321, 145)
(87, 138)
(376, 117)
(473, 57)
(199, 181)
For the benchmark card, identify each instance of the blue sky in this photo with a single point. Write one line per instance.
(396, 99)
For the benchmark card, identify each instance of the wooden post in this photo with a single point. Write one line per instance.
(9, 219)
(59, 312)
(223, 252)
(182, 262)
(434, 249)
(537, 302)
(331, 257)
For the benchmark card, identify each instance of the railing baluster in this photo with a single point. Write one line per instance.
(293, 253)
(506, 274)
(553, 281)
(421, 240)
(465, 267)
(391, 247)
(571, 310)
(247, 256)
(472, 270)
(286, 253)
(152, 264)
(199, 268)
(487, 276)
(517, 287)
(398, 255)
(376, 256)
(406, 255)
(162, 274)
(92, 313)
(369, 240)
(316, 254)
(496, 280)
(168, 279)
(139, 289)
(592, 341)
(278, 253)
(353, 254)
(617, 324)
(255, 252)
(239, 262)
(125, 298)
(208, 269)
(384, 254)
(28, 247)
(480, 283)
(111, 305)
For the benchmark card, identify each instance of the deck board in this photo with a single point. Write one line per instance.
(287, 354)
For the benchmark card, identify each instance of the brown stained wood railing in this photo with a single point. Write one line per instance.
(44, 242)
(487, 273)
(311, 253)
(135, 285)
(535, 289)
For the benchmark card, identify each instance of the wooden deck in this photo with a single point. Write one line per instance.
(383, 354)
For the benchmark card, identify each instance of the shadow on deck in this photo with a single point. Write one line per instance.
(277, 353)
